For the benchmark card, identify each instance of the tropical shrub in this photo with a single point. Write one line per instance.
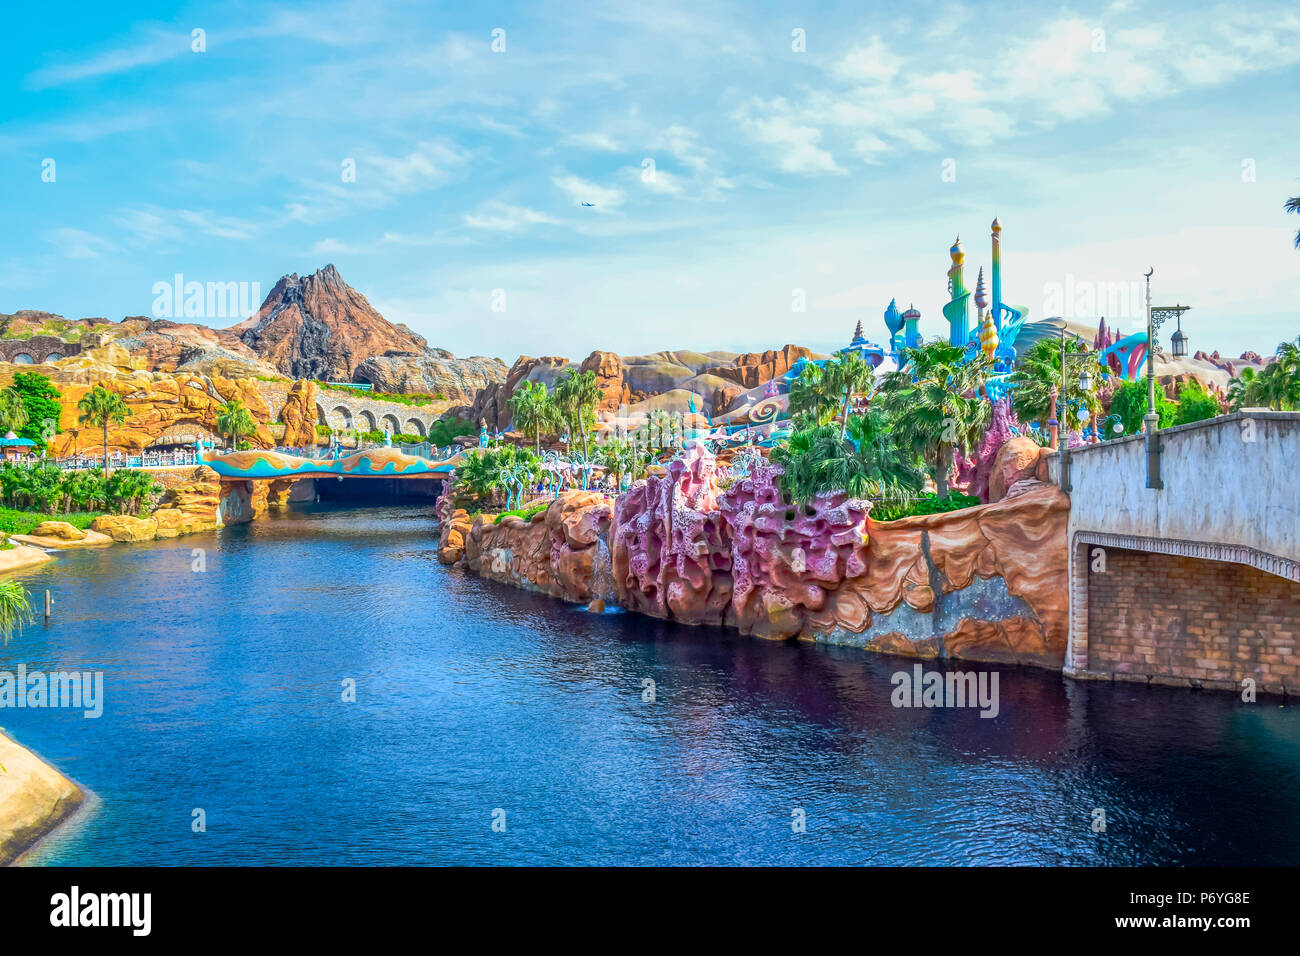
(924, 505)
(1130, 403)
(867, 462)
(1195, 403)
(41, 400)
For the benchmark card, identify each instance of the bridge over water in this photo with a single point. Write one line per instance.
(1197, 582)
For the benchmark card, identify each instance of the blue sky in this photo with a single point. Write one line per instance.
(1108, 138)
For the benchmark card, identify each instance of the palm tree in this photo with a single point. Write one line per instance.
(1038, 371)
(234, 421)
(1244, 390)
(659, 424)
(577, 394)
(934, 404)
(864, 463)
(1279, 382)
(15, 608)
(1293, 205)
(620, 458)
(534, 411)
(99, 406)
(813, 400)
(847, 374)
(13, 410)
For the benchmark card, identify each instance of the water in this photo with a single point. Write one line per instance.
(223, 693)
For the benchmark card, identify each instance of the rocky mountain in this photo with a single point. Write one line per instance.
(319, 327)
(641, 383)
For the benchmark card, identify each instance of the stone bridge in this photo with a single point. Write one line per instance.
(1196, 582)
(340, 410)
(37, 350)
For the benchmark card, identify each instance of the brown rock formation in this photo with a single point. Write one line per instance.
(756, 368)
(1015, 461)
(126, 528)
(557, 552)
(161, 405)
(609, 376)
(299, 415)
(320, 327)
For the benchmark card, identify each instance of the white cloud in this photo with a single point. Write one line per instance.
(501, 217)
(794, 145)
(78, 244)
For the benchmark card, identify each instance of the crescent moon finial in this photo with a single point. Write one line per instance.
(1149, 272)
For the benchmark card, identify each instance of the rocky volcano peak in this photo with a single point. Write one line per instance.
(318, 326)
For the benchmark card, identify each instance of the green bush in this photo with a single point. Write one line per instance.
(1195, 403)
(1130, 403)
(925, 505)
(525, 513)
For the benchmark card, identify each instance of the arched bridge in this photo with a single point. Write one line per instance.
(342, 410)
(372, 463)
(1196, 582)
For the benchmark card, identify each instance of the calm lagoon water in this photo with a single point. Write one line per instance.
(223, 692)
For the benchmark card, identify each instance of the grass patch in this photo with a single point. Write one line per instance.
(13, 521)
(925, 505)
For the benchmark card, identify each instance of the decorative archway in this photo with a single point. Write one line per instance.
(413, 426)
(343, 416)
(366, 421)
(391, 423)
(22, 358)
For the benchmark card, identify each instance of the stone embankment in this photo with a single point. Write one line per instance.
(984, 583)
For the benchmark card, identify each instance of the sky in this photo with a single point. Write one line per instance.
(759, 173)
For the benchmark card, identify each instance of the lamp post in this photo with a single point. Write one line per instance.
(1151, 421)
(1085, 385)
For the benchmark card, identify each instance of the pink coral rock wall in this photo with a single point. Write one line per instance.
(984, 583)
(670, 546)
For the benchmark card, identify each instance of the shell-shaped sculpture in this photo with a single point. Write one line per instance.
(988, 337)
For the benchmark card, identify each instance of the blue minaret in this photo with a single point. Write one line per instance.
(894, 322)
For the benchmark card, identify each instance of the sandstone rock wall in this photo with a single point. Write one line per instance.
(560, 551)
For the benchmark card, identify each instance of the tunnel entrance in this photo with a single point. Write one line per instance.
(384, 491)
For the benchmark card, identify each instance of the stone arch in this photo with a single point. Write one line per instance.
(321, 419)
(22, 358)
(390, 422)
(52, 357)
(365, 421)
(343, 415)
(413, 426)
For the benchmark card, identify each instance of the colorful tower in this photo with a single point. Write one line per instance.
(871, 352)
(894, 322)
(957, 311)
(997, 272)
(912, 335)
